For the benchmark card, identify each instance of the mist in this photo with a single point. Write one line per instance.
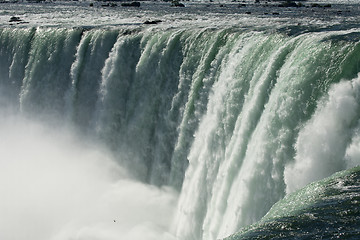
(56, 185)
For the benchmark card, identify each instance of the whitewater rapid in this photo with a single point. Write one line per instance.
(169, 132)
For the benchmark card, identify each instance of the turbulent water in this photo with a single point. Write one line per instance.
(190, 129)
(328, 209)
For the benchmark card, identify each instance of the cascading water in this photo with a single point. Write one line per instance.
(238, 173)
(231, 119)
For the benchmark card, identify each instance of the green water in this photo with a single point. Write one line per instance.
(233, 119)
(328, 209)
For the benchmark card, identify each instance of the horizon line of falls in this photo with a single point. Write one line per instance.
(231, 119)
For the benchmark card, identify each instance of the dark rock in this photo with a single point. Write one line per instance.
(290, 4)
(248, 12)
(15, 19)
(320, 6)
(315, 5)
(177, 4)
(132, 4)
(152, 22)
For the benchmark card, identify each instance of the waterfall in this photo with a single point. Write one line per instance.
(231, 119)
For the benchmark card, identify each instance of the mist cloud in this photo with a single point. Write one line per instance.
(56, 186)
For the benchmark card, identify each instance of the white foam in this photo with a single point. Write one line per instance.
(322, 143)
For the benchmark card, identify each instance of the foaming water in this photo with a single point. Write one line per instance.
(57, 186)
(322, 143)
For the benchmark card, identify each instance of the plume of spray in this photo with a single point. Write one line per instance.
(55, 185)
(329, 142)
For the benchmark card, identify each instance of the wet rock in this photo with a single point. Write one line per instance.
(177, 4)
(290, 4)
(152, 22)
(132, 4)
(15, 19)
(316, 5)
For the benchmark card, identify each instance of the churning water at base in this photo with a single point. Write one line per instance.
(169, 132)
